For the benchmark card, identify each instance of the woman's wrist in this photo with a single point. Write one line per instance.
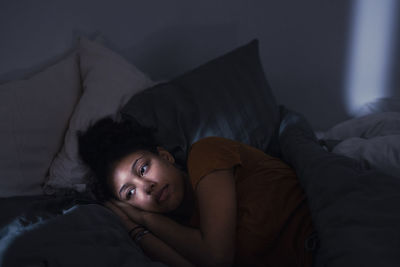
(138, 232)
(139, 235)
(135, 230)
(146, 218)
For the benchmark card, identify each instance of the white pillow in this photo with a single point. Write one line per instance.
(384, 104)
(373, 140)
(108, 83)
(34, 115)
(380, 152)
(372, 125)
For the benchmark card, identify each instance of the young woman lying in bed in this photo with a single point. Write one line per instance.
(231, 205)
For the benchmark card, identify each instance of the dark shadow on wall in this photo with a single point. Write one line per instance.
(173, 51)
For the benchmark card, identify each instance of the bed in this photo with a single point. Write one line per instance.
(49, 216)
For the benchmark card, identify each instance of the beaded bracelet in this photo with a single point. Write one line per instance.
(140, 235)
(135, 228)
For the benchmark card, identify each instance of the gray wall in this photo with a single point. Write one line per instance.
(304, 44)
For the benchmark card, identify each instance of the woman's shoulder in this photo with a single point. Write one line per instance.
(212, 153)
(221, 145)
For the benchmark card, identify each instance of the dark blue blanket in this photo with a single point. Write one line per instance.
(355, 211)
(64, 231)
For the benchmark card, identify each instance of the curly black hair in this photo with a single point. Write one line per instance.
(106, 142)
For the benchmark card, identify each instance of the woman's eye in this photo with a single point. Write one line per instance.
(130, 193)
(143, 169)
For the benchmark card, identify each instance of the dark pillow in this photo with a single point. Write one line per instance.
(228, 97)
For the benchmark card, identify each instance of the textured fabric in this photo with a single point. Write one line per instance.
(373, 140)
(385, 104)
(381, 153)
(108, 83)
(228, 96)
(355, 211)
(34, 116)
(64, 232)
(368, 126)
(273, 219)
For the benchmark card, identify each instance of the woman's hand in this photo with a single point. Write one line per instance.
(127, 222)
(127, 213)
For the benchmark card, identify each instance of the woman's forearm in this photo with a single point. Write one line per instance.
(187, 241)
(157, 250)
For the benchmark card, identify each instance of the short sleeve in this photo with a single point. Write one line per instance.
(210, 154)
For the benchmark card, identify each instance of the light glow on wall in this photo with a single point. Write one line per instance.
(370, 51)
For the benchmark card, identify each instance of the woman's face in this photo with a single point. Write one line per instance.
(149, 181)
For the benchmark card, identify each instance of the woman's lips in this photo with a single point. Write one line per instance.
(163, 194)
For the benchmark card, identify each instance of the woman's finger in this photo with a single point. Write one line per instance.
(125, 207)
(122, 215)
(115, 209)
(120, 204)
(109, 204)
(134, 213)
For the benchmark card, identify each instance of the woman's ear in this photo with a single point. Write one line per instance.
(165, 155)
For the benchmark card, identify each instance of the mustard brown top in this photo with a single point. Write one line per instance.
(273, 219)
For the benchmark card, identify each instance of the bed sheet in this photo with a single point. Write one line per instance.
(373, 140)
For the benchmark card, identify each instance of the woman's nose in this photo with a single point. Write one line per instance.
(149, 187)
(146, 186)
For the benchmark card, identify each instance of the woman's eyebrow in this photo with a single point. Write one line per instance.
(134, 164)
